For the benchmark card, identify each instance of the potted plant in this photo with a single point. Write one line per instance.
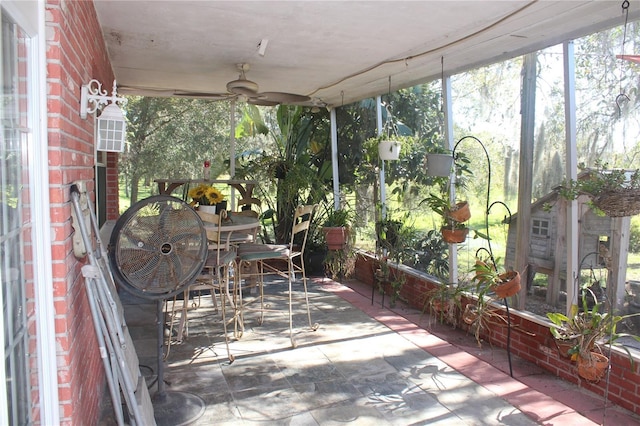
(205, 198)
(454, 216)
(616, 192)
(503, 283)
(444, 302)
(589, 330)
(336, 228)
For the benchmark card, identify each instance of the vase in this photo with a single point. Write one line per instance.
(439, 164)
(594, 367)
(389, 150)
(207, 213)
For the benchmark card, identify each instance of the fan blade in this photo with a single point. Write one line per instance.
(205, 95)
(283, 98)
(261, 102)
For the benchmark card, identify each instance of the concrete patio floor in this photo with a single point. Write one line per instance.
(365, 365)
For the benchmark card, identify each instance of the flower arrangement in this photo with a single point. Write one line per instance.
(205, 195)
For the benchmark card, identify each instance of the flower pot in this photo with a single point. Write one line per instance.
(439, 164)
(389, 150)
(461, 213)
(336, 237)
(454, 236)
(207, 213)
(510, 284)
(594, 367)
(564, 346)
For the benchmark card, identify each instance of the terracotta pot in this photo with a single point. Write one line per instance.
(461, 212)
(454, 236)
(593, 368)
(509, 286)
(336, 237)
(564, 346)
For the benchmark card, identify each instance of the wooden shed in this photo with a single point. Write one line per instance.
(602, 243)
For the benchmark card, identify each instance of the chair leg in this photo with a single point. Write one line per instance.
(294, 344)
(224, 294)
(313, 326)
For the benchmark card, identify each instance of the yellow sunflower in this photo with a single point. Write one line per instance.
(205, 195)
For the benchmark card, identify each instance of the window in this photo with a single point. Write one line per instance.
(14, 205)
(540, 228)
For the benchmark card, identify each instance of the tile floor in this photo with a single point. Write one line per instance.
(365, 365)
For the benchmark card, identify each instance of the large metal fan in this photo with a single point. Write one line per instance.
(157, 248)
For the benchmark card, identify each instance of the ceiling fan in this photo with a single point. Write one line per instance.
(244, 87)
(241, 88)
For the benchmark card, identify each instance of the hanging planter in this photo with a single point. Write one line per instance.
(454, 236)
(439, 164)
(460, 213)
(509, 284)
(389, 149)
(593, 367)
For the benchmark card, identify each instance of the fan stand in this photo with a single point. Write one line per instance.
(172, 408)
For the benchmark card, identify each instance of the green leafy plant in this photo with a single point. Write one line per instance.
(590, 329)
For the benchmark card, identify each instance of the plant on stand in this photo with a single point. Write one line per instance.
(590, 331)
(337, 228)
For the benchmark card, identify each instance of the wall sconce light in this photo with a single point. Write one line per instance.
(111, 125)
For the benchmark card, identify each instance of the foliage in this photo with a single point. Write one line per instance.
(339, 218)
(430, 254)
(205, 195)
(444, 302)
(600, 180)
(340, 263)
(590, 328)
(297, 160)
(154, 127)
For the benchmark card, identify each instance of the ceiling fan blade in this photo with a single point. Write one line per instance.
(282, 97)
(204, 95)
(261, 102)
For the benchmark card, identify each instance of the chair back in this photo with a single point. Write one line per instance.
(301, 223)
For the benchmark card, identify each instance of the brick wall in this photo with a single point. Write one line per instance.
(75, 54)
(530, 340)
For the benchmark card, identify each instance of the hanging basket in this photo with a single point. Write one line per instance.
(618, 203)
(439, 164)
(594, 367)
(461, 213)
(389, 150)
(510, 284)
(454, 236)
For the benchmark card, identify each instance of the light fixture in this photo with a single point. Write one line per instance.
(111, 124)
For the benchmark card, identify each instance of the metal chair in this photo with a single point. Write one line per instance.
(270, 256)
(217, 276)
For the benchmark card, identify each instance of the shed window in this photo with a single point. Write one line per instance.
(540, 228)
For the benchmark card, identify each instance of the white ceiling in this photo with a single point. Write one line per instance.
(336, 52)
